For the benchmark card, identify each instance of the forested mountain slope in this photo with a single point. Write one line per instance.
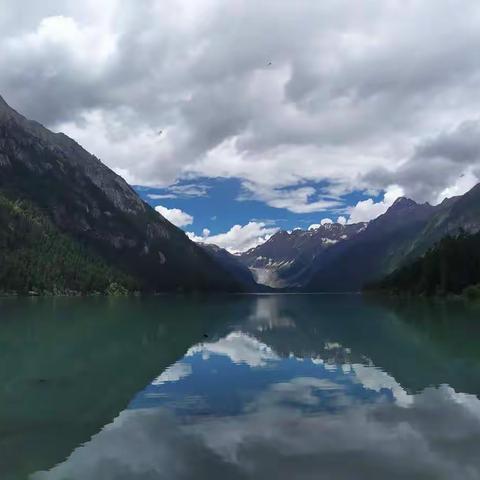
(405, 232)
(98, 210)
(36, 257)
(449, 267)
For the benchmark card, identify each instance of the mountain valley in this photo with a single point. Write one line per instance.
(97, 211)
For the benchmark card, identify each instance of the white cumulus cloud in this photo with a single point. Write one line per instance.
(324, 221)
(239, 238)
(292, 95)
(175, 215)
(366, 210)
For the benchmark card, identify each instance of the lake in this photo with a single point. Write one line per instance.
(239, 387)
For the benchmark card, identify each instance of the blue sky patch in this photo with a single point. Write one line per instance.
(219, 203)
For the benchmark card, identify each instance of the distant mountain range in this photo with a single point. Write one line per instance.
(231, 263)
(341, 258)
(70, 224)
(285, 259)
(392, 240)
(67, 222)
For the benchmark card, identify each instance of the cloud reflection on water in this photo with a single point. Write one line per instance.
(435, 437)
(239, 408)
(239, 348)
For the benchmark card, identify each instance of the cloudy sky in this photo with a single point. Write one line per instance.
(238, 118)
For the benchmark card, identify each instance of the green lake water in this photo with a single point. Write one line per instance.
(239, 387)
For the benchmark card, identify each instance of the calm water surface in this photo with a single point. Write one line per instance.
(238, 387)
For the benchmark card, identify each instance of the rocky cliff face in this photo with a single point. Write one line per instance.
(286, 258)
(97, 208)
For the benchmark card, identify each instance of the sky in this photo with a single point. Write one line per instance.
(236, 119)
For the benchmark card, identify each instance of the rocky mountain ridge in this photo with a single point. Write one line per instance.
(286, 257)
(343, 258)
(53, 189)
(403, 233)
(231, 263)
(95, 207)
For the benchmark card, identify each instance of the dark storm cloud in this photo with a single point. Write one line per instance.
(274, 93)
(459, 146)
(436, 164)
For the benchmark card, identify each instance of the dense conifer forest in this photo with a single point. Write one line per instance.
(452, 266)
(36, 257)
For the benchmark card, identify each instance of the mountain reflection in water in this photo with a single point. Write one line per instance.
(302, 387)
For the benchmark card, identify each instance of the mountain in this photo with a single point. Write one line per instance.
(405, 232)
(72, 194)
(462, 212)
(449, 267)
(36, 257)
(286, 258)
(375, 251)
(232, 264)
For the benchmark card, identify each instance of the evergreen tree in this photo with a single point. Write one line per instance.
(452, 266)
(36, 257)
